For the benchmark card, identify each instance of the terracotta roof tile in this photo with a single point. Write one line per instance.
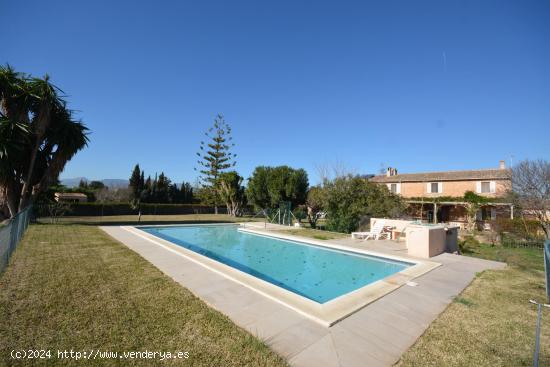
(480, 174)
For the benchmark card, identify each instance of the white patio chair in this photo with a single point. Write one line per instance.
(376, 232)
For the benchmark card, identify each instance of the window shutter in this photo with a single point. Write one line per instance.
(440, 187)
(398, 191)
(479, 215)
(478, 187)
(493, 187)
(429, 187)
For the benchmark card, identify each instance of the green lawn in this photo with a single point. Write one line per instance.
(151, 219)
(492, 323)
(313, 233)
(70, 286)
(73, 287)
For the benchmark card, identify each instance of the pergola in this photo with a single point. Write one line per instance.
(456, 203)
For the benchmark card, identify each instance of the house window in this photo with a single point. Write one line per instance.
(394, 188)
(434, 187)
(485, 187)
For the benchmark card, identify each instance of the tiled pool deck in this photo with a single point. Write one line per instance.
(376, 335)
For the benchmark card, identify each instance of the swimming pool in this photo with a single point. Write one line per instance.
(320, 274)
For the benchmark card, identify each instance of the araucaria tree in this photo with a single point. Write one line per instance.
(215, 157)
(38, 136)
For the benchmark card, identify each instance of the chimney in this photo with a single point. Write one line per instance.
(502, 165)
(391, 171)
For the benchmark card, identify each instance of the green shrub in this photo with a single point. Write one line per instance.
(467, 243)
(300, 214)
(350, 198)
(522, 228)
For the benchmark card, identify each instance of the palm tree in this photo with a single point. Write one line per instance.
(36, 120)
(44, 100)
(14, 136)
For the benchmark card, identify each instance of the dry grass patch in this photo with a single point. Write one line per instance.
(151, 219)
(491, 323)
(313, 233)
(74, 287)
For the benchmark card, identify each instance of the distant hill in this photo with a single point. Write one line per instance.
(72, 182)
(115, 182)
(109, 182)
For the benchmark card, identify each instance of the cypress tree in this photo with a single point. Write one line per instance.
(135, 183)
(147, 189)
(163, 185)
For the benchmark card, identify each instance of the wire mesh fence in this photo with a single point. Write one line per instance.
(508, 240)
(10, 235)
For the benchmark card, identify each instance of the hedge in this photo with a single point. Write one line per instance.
(105, 209)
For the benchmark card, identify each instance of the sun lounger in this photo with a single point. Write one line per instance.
(376, 232)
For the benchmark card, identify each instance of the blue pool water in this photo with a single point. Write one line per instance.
(315, 272)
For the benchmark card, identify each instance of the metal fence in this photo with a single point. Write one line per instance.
(547, 268)
(10, 234)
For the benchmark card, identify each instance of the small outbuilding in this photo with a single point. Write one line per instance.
(71, 197)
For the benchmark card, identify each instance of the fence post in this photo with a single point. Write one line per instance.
(537, 331)
(537, 337)
(13, 234)
(547, 268)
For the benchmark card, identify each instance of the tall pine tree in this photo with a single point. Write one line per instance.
(215, 157)
(135, 184)
(163, 184)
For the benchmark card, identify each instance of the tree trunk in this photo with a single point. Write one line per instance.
(525, 225)
(52, 172)
(544, 223)
(42, 123)
(236, 209)
(11, 200)
(25, 194)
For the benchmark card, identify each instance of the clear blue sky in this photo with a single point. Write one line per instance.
(419, 85)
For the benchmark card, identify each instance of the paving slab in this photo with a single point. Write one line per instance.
(321, 353)
(297, 337)
(255, 311)
(356, 351)
(272, 324)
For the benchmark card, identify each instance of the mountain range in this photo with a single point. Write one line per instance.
(109, 182)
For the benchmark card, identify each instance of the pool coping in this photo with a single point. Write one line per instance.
(326, 314)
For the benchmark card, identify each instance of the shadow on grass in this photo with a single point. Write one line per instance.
(135, 223)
